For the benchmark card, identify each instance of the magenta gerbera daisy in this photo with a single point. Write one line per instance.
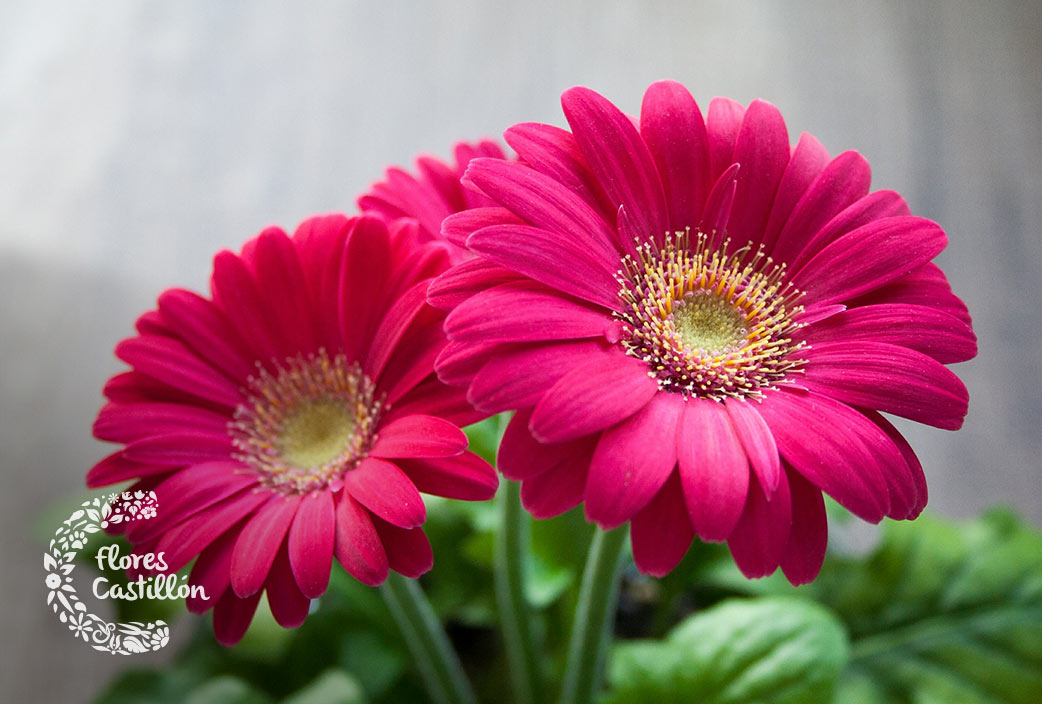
(292, 417)
(432, 193)
(700, 326)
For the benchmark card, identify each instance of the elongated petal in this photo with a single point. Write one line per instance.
(521, 456)
(402, 313)
(632, 462)
(932, 332)
(808, 159)
(762, 149)
(364, 273)
(555, 152)
(285, 291)
(619, 158)
(259, 542)
(556, 261)
(827, 442)
(758, 443)
(408, 550)
(466, 477)
(289, 606)
(187, 539)
(874, 206)
(661, 532)
(868, 258)
(888, 378)
(602, 392)
(525, 311)
(358, 547)
(464, 280)
(117, 468)
(418, 436)
(519, 378)
(924, 286)
(385, 490)
(206, 330)
(457, 227)
(560, 488)
(310, 543)
(212, 572)
(714, 471)
(722, 123)
(805, 552)
(759, 540)
(186, 447)
(232, 616)
(126, 422)
(235, 292)
(675, 133)
(173, 363)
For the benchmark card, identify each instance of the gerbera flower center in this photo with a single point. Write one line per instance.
(304, 427)
(709, 323)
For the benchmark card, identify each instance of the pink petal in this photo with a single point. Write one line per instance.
(364, 274)
(191, 491)
(457, 227)
(808, 159)
(759, 540)
(173, 363)
(212, 572)
(281, 283)
(232, 616)
(466, 477)
(235, 293)
(714, 471)
(619, 158)
(525, 311)
(912, 466)
(315, 238)
(412, 362)
(466, 279)
(718, 204)
(932, 332)
(519, 378)
(888, 378)
(408, 551)
(117, 468)
(661, 532)
(436, 399)
(423, 263)
(561, 487)
(554, 152)
(288, 604)
(561, 263)
(757, 442)
(459, 362)
(385, 490)
(607, 389)
(762, 149)
(805, 552)
(722, 124)
(186, 447)
(187, 539)
(926, 286)
(521, 456)
(541, 201)
(675, 133)
(207, 331)
(310, 543)
(126, 422)
(843, 182)
(869, 257)
(406, 309)
(632, 461)
(259, 541)
(828, 443)
(418, 436)
(357, 546)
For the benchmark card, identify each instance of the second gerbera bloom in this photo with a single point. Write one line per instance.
(698, 325)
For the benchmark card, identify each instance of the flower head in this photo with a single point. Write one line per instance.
(431, 194)
(292, 417)
(699, 325)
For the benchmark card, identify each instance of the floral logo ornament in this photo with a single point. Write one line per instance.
(58, 561)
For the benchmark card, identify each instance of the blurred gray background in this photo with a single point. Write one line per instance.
(137, 138)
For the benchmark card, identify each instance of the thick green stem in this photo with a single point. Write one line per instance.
(437, 662)
(514, 614)
(591, 632)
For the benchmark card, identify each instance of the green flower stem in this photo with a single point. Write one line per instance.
(591, 632)
(514, 613)
(438, 663)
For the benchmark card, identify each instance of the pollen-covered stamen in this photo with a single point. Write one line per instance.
(303, 428)
(709, 323)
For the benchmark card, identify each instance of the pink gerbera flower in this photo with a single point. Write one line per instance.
(432, 194)
(699, 326)
(292, 417)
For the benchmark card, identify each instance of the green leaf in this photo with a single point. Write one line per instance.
(226, 690)
(331, 687)
(773, 650)
(942, 612)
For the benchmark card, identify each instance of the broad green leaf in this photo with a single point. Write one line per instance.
(331, 687)
(773, 650)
